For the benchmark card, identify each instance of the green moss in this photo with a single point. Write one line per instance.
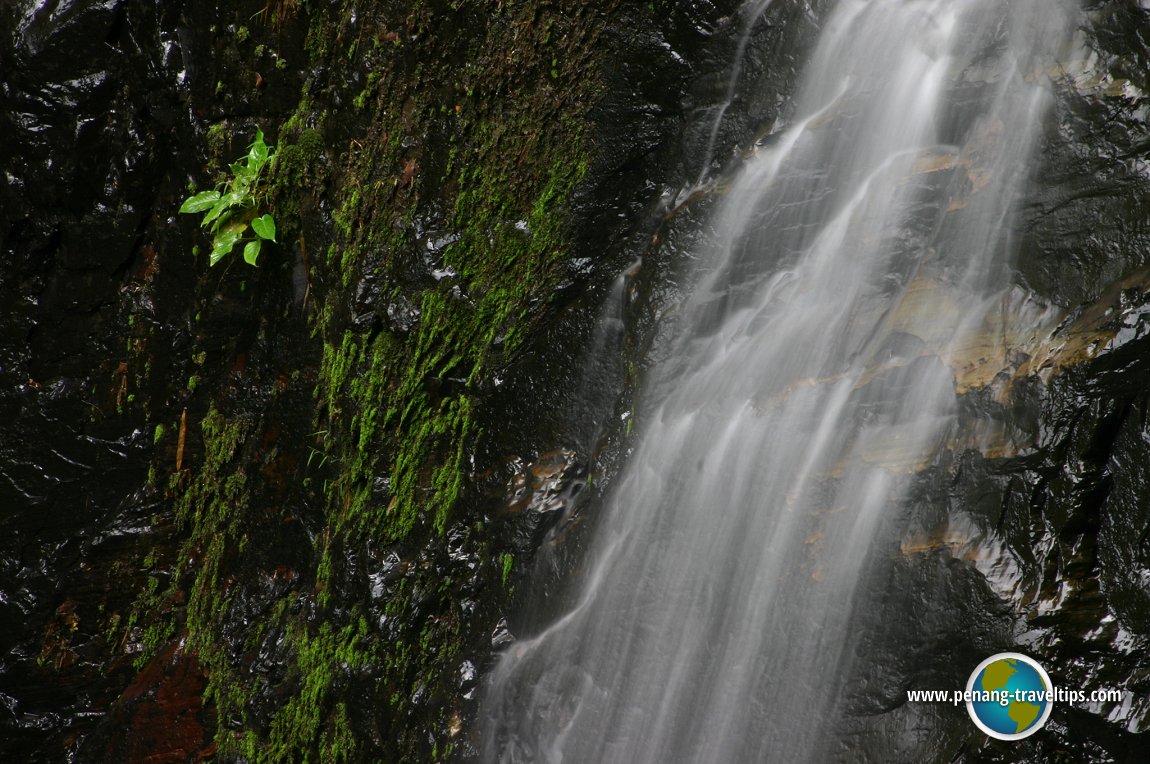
(206, 511)
(297, 172)
(338, 744)
(323, 660)
(507, 562)
(218, 139)
(209, 510)
(156, 636)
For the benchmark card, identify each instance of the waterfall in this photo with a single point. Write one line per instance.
(860, 255)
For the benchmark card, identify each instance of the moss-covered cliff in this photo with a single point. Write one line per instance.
(422, 189)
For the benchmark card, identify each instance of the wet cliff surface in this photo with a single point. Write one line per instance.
(285, 513)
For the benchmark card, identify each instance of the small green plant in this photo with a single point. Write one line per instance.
(231, 208)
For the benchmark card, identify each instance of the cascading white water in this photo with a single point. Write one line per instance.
(859, 257)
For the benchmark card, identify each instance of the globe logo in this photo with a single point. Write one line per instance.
(1009, 696)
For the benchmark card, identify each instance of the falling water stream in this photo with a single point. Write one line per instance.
(860, 255)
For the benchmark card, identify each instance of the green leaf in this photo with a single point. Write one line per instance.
(258, 154)
(265, 227)
(252, 251)
(200, 201)
(220, 207)
(225, 240)
(231, 201)
(241, 193)
(224, 221)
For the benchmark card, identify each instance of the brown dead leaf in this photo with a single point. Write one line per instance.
(180, 440)
(408, 173)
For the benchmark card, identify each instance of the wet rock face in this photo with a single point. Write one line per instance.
(75, 77)
(1086, 224)
(89, 123)
(543, 496)
(161, 715)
